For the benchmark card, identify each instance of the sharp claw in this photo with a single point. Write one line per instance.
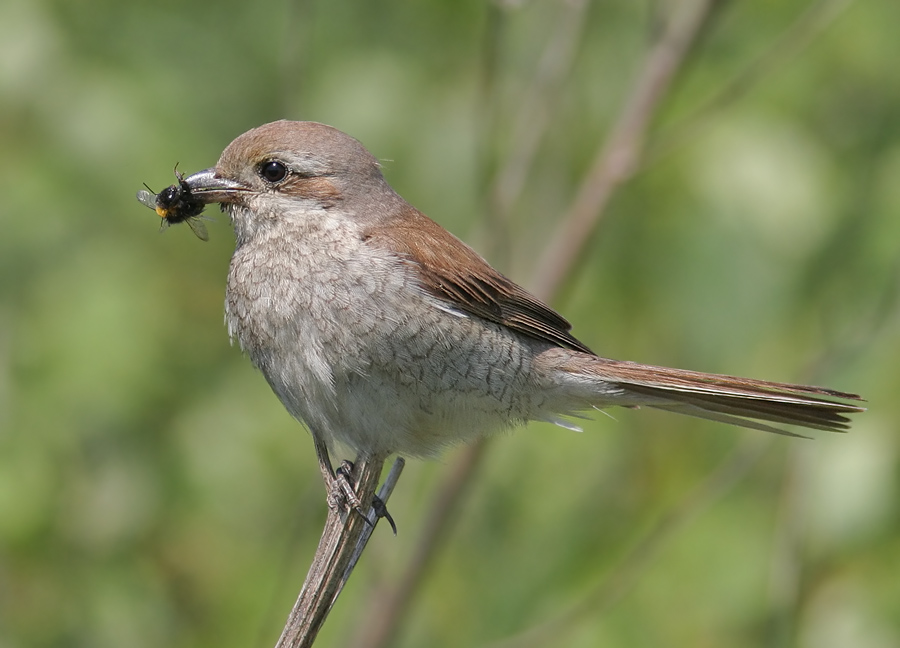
(381, 511)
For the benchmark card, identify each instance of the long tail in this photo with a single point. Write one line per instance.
(739, 401)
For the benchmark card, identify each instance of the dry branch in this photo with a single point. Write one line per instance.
(343, 540)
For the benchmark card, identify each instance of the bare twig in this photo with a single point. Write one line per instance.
(391, 605)
(815, 19)
(616, 162)
(530, 118)
(536, 108)
(786, 560)
(343, 540)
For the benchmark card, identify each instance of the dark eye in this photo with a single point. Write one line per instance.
(273, 171)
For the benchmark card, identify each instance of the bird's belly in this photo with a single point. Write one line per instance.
(431, 395)
(413, 391)
(361, 354)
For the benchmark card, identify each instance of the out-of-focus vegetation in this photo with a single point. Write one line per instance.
(154, 493)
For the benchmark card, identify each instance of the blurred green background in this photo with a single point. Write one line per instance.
(153, 492)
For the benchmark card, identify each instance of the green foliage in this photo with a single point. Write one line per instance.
(154, 493)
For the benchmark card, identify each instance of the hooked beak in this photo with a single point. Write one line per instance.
(207, 187)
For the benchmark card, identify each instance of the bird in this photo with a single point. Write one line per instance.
(381, 331)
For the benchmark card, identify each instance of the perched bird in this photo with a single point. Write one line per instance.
(379, 329)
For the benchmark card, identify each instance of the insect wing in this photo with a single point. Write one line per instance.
(198, 228)
(147, 199)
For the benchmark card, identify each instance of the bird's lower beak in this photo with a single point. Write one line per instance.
(208, 187)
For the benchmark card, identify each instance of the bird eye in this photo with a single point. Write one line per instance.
(273, 171)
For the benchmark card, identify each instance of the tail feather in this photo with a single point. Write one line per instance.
(696, 412)
(739, 401)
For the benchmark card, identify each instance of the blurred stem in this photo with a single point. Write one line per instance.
(532, 119)
(786, 559)
(487, 124)
(616, 162)
(295, 57)
(813, 21)
(536, 110)
(789, 571)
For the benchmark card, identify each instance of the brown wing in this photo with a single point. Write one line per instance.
(452, 271)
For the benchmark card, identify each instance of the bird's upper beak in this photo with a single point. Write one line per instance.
(208, 187)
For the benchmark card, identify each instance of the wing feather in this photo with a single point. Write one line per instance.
(452, 271)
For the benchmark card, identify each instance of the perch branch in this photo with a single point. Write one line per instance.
(343, 540)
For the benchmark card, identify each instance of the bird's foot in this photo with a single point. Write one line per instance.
(342, 496)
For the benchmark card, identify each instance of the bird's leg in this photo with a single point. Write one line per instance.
(337, 485)
(342, 488)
